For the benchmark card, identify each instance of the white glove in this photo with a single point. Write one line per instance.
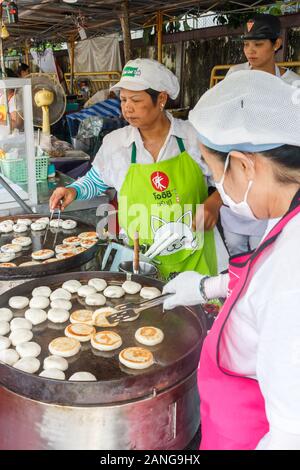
(186, 290)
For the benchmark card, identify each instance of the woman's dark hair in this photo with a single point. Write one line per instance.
(153, 95)
(22, 68)
(286, 159)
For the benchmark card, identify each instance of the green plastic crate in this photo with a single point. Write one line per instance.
(16, 170)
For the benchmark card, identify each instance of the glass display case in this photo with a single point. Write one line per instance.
(18, 164)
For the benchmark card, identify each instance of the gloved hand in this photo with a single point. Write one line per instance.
(186, 290)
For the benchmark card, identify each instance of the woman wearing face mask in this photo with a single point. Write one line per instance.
(261, 42)
(156, 167)
(248, 376)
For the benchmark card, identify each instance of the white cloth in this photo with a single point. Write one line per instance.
(289, 76)
(101, 54)
(114, 156)
(45, 61)
(262, 336)
(141, 74)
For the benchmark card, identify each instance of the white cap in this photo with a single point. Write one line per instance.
(249, 111)
(141, 74)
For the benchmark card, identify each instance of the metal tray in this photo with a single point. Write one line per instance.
(37, 244)
(175, 358)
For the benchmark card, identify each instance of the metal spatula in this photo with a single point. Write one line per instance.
(131, 309)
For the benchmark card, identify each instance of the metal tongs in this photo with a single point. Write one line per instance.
(132, 309)
(52, 212)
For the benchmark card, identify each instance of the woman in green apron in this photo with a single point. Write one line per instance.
(157, 170)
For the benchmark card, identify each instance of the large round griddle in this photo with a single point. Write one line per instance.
(176, 357)
(37, 237)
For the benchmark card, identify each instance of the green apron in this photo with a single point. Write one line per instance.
(163, 196)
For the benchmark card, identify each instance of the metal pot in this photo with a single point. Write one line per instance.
(157, 408)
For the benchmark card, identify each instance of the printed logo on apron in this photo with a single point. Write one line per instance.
(159, 181)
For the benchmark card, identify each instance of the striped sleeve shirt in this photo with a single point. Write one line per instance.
(89, 186)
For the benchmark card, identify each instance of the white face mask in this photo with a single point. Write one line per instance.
(241, 208)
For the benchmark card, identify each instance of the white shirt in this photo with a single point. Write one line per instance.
(289, 76)
(263, 337)
(114, 156)
(232, 222)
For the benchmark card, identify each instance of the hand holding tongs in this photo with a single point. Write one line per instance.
(52, 211)
(131, 309)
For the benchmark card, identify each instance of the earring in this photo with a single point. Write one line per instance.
(162, 107)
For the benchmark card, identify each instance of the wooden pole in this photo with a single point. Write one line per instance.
(26, 51)
(159, 25)
(72, 60)
(124, 19)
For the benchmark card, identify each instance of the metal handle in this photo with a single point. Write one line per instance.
(152, 303)
(16, 197)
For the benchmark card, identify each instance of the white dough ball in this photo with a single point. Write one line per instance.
(18, 323)
(83, 376)
(98, 284)
(56, 362)
(60, 294)
(85, 291)
(39, 302)
(28, 364)
(43, 291)
(30, 349)
(9, 356)
(20, 336)
(5, 314)
(36, 315)
(72, 286)
(55, 374)
(61, 303)
(4, 328)
(18, 302)
(4, 343)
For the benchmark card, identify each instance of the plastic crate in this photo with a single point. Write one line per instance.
(16, 170)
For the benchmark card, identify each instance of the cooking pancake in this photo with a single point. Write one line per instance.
(106, 340)
(63, 248)
(38, 226)
(58, 315)
(27, 222)
(22, 241)
(55, 374)
(5, 314)
(28, 364)
(30, 263)
(80, 331)
(61, 256)
(50, 260)
(20, 322)
(83, 376)
(8, 265)
(88, 243)
(131, 287)
(56, 362)
(9, 356)
(43, 220)
(69, 224)
(95, 299)
(64, 347)
(99, 317)
(136, 358)
(20, 228)
(114, 292)
(4, 328)
(6, 227)
(78, 249)
(98, 284)
(149, 335)
(43, 291)
(71, 286)
(39, 302)
(150, 293)
(7, 257)
(61, 303)
(85, 291)
(29, 349)
(88, 235)
(82, 316)
(60, 293)
(56, 223)
(4, 343)
(36, 315)
(21, 335)
(11, 248)
(18, 302)
(42, 254)
(72, 241)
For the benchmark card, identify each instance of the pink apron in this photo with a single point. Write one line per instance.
(232, 407)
